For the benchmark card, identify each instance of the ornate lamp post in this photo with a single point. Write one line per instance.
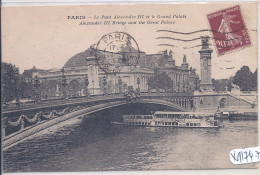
(105, 85)
(63, 83)
(138, 84)
(36, 85)
(4, 121)
(47, 93)
(120, 84)
(125, 87)
(93, 86)
(86, 82)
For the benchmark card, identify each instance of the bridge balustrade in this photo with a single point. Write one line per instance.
(43, 102)
(12, 124)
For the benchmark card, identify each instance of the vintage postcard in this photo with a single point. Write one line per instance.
(129, 87)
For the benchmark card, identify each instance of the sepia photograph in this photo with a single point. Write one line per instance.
(129, 87)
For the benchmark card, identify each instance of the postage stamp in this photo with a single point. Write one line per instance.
(229, 30)
(115, 49)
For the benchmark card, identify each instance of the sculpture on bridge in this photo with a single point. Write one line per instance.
(132, 95)
(105, 85)
(120, 82)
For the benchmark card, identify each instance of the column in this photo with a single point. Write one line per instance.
(180, 82)
(143, 83)
(147, 78)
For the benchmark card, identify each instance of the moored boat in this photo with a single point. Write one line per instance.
(173, 119)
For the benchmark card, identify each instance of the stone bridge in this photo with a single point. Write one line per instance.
(23, 121)
(222, 101)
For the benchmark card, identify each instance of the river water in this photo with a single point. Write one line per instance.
(94, 144)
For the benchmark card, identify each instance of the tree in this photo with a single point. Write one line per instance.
(10, 82)
(26, 89)
(254, 81)
(243, 78)
(160, 81)
(221, 84)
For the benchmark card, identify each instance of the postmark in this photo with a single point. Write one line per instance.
(229, 30)
(115, 50)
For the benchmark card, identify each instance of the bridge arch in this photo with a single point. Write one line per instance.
(77, 111)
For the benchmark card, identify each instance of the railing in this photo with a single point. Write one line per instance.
(15, 123)
(55, 101)
(40, 122)
(12, 125)
(51, 102)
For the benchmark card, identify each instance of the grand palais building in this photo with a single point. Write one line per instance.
(85, 63)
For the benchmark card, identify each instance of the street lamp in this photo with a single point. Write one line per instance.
(36, 85)
(125, 88)
(93, 86)
(105, 84)
(86, 82)
(138, 84)
(47, 92)
(120, 84)
(63, 83)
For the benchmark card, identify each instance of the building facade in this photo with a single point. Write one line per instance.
(85, 63)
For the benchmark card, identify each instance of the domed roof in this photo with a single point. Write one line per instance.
(80, 59)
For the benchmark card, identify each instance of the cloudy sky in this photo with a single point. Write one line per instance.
(44, 37)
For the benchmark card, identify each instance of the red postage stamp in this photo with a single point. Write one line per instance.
(229, 30)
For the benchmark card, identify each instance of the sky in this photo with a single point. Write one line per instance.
(44, 37)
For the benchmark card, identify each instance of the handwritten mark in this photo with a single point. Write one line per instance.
(245, 155)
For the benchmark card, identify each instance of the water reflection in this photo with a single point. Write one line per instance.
(94, 144)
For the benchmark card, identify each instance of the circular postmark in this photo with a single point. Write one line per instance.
(115, 50)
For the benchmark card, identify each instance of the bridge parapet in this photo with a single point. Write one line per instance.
(25, 132)
(7, 109)
(17, 120)
(222, 101)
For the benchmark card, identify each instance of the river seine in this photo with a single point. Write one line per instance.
(94, 144)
